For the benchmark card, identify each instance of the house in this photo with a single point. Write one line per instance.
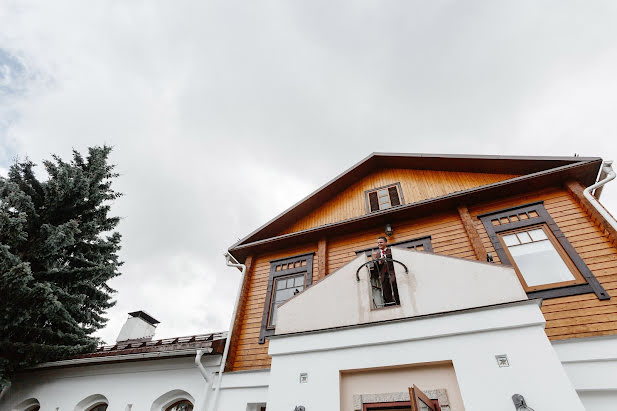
(537, 320)
(496, 291)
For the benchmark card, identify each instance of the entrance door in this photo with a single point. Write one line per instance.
(420, 402)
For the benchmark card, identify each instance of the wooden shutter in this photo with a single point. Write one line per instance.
(394, 198)
(373, 201)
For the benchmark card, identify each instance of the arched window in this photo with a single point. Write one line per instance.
(95, 402)
(31, 404)
(182, 405)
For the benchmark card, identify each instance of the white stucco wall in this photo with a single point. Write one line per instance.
(434, 284)
(470, 340)
(591, 365)
(244, 390)
(138, 384)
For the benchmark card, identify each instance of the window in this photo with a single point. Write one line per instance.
(385, 197)
(182, 405)
(288, 277)
(527, 238)
(98, 407)
(538, 259)
(284, 288)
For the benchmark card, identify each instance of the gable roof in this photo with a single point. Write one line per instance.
(542, 170)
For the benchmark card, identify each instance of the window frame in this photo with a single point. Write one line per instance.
(414, 242)
(510, 219)
(265, 329)
(274, 290)
(372, 190)
(578, 278)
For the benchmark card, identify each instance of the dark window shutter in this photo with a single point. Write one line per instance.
(373, 201)
(394, 199)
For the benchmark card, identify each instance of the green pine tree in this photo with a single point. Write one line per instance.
(57, 252)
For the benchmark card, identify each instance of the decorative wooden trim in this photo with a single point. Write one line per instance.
(322, 258)
(472, 233)
(233, 344)
(308, 269)
(576, 189)
(535, 214)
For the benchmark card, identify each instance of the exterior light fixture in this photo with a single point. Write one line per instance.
(389, 230)
(519, 403)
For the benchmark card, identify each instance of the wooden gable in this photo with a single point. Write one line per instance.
(416, 185)
(429, 183)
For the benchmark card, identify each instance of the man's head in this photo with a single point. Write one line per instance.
(382, 242)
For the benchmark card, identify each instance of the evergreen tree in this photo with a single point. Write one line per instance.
(57, 252)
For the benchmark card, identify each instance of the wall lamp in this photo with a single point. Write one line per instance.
(389, 230)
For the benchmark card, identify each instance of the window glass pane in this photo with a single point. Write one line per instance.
(286, 288)
(510, 239)
(538, 234)
(384, 206)
(382, 193)
(384, 200)
(523, 237)
(540, 263)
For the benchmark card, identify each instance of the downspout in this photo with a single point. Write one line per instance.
(207, 376)
(607, 170)
(217, 386)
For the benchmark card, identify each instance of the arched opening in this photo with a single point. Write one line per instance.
(174, 400)
(94, 402)
(31, 404)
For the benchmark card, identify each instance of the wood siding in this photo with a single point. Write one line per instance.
(567, 317)
(245, 349)
(580, 315)
(416, 185)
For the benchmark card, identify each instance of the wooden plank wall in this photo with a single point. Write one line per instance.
(567, 317)
(246, 351)
(580, 315)
(416, 185)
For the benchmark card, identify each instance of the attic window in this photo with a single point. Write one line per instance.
(385, 197)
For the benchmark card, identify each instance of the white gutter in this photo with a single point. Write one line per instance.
(607, 170)
(217, 387)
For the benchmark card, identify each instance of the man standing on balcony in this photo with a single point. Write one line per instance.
(385, 272)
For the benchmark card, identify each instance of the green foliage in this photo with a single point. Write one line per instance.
(57, 252)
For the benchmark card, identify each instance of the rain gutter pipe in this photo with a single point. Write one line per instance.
(217, 386)
(609, 173)
(204, 373)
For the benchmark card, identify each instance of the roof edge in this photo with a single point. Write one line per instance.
(375, 155)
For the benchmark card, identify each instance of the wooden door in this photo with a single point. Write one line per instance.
(420, 402)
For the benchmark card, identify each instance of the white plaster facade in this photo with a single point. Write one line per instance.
(126, 386)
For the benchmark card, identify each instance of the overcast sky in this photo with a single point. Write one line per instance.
(223, 114)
